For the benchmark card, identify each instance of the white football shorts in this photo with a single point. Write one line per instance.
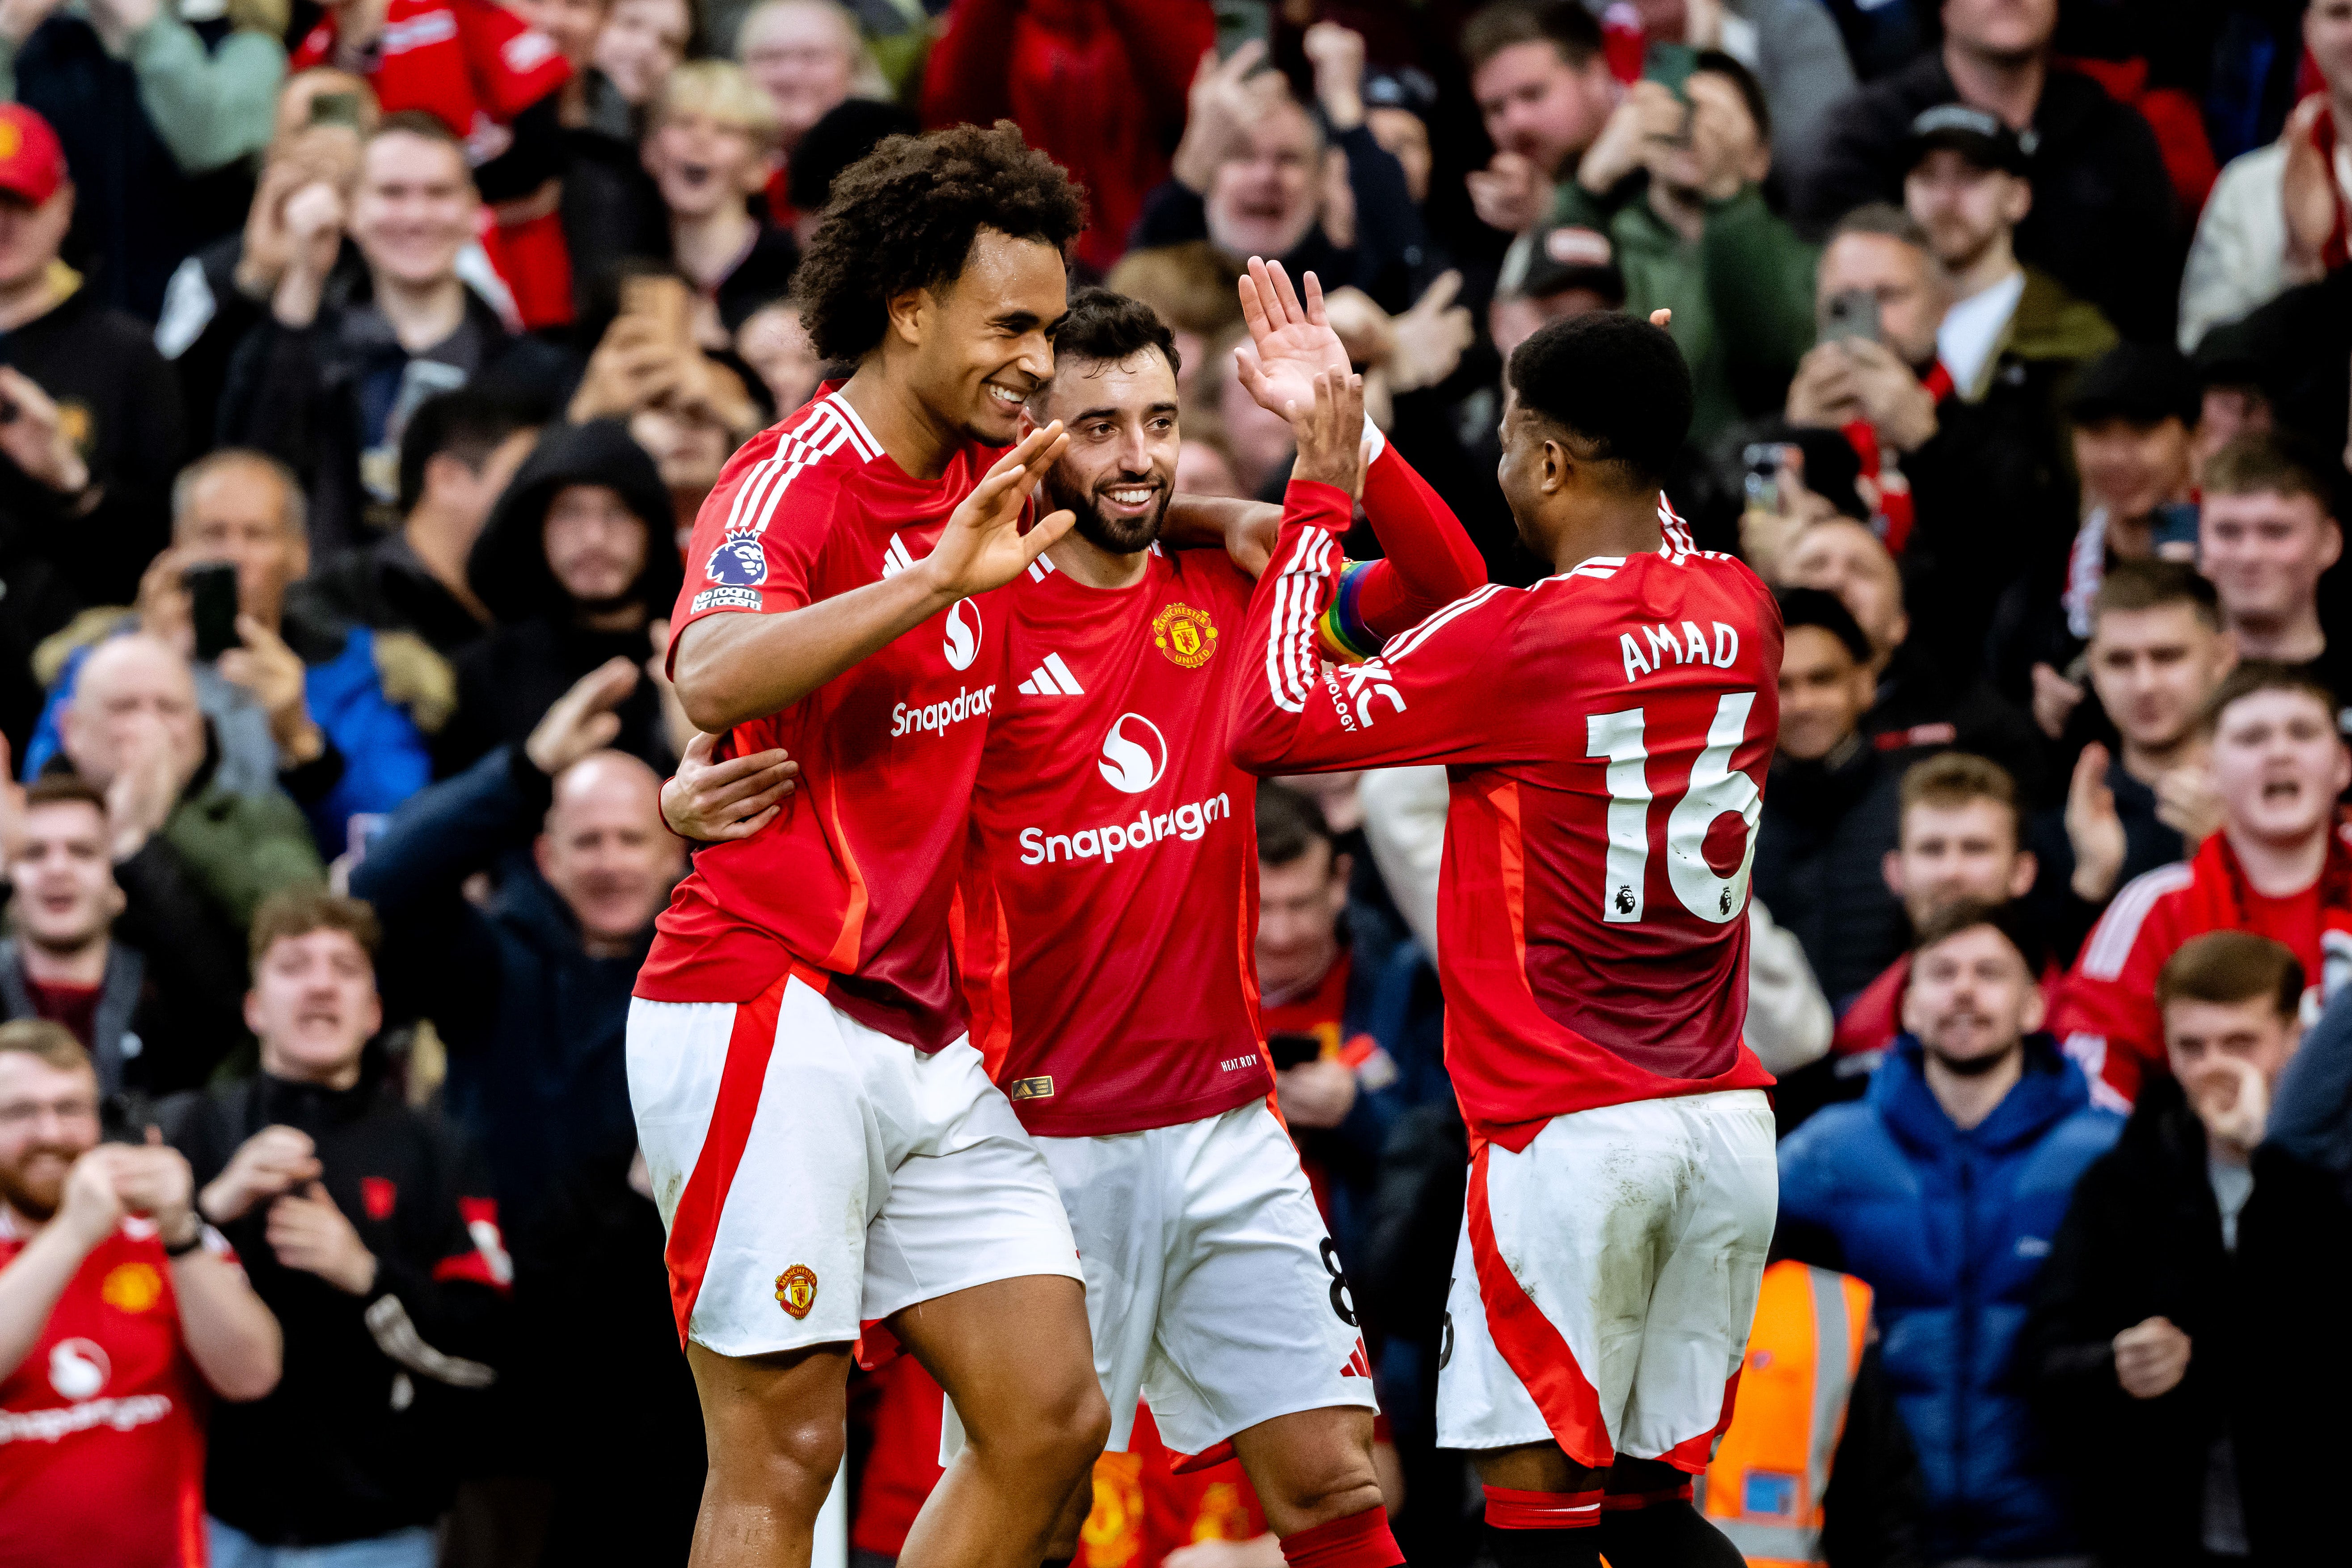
(1606, 1280)
(1212, 1288)
(816, 1175)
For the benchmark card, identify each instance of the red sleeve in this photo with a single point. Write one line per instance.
(756, 539)
(514, 64)
(2107, 1018)
(968, 75)
(1165, 40)
(1431, 562)
(1408, 705)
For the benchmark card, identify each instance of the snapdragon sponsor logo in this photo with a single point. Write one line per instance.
(1188, 823)
(50, 1425)
(970, 703)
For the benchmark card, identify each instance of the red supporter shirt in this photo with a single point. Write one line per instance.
(2107, 1018)
(856, 875)
(471, 63)
(101, 1424)
(1110, 898)
(1606, 733)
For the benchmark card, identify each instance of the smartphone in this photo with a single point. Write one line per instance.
(212, 594)
(667, 300)
(336, 109)
(2174, 531)
(1670, 66)
(1287, 1050)
(1764, 461)
(1239, 21)
(1852, 314)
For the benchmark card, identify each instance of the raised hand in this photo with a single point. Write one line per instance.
(308, 1232)
(983, 546)
(1290, 343)
(271, 1162)
(2094, 828)
(1330, 429)
(582, 720)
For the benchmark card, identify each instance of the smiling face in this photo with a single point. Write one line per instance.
(642, 44)
(132, 691)
(48, 1119)
(64, 877)
(2153, 669)
(1538, 106)
(1971, 1000)
(983, 343)
(1120, 467)
(1845, 558)
(2129, 468)
(414, 210)
(2279, 765)
(605, 851)
(313, 1006)
(573, 24)
(2264, 552)
(2000, 29)
(805, 57)
(1824, 692)
(1262, 201)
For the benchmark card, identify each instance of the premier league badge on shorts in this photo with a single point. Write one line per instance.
(796, 1289)
(1185, 634)
(738, 563)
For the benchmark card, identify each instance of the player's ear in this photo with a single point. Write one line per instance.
(908, 313)
(1556, 467)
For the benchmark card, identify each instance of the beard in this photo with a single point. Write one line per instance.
(1118, 535)
(36, 1201)
(1968, 1067)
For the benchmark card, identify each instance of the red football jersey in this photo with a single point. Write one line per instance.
(856, 875)
(473, 65)
(1606, 733)
(101, 1424)
(1109, 894)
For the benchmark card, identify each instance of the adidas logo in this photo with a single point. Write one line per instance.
(1358, 1364)
(1052, 679)
(895, 557)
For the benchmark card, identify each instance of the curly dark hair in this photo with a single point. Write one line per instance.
(1103, 325)
(903, 218)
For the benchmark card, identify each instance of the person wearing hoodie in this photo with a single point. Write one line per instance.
(1941, 1190)
(576, 564)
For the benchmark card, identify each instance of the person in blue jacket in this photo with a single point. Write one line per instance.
(1942, 1188)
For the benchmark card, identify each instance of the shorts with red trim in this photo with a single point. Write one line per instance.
(1606, 1280)
(816, 1176)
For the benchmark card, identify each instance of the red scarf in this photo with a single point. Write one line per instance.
(1895, 515)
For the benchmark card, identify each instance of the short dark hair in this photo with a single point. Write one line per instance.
(422, 123)
(2255, 675)
(2263, 463)
(1106, 327)
(467, 425)
(64, 789)
(1967, 914)
(1565, 25)
(1614, 383)
(2232, 966)
(1716, 62)
(904, 217)
(1289, 825)
(1820, 607)
(1955, 778)
(301, 910)
(2152, 585)
(1883, 220)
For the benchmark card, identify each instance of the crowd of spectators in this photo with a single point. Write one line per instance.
(364, 363)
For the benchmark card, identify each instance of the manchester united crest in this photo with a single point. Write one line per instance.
(796, 1289)
(1185, 634)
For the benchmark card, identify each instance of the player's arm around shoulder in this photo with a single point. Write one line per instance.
(730, 668)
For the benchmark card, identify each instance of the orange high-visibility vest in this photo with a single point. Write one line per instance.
(1764, 1489)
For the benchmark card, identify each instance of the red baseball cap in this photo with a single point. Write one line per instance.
(32, 165)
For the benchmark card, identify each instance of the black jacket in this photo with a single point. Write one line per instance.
(170, 1005)
(536, 1028)
(388, 587)
(2267, 1367)
(356, 1440)
(507, 681)
(2103, 221)
(1826, 829)
(303, 395)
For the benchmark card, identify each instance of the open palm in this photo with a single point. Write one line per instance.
(1289, 342)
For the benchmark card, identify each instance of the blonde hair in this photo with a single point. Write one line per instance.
(725, 93)
(52, 1043)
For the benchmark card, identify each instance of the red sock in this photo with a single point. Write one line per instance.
(1620, 1503)
(1510, 1510)
(1359, 1541)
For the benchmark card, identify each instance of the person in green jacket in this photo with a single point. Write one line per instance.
(133, 730)
(1675, 182)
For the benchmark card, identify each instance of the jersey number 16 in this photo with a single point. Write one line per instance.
(1715, 788)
